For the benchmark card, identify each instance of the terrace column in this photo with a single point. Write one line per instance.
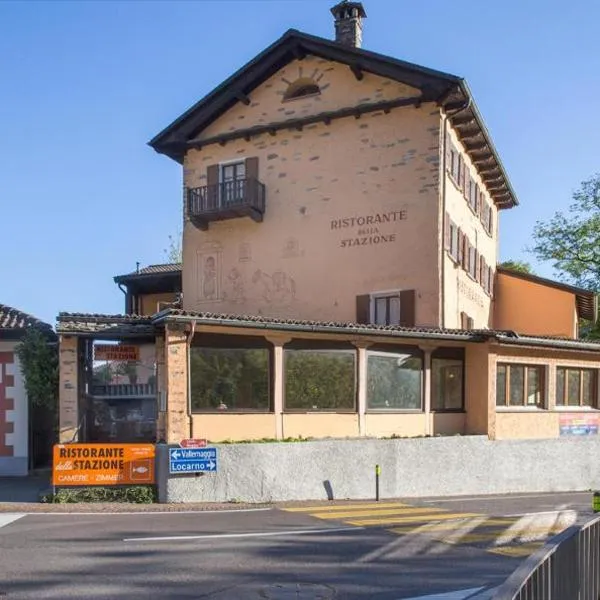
(69, 389)
(427, 351)
(161, 389)
(176, 377)
(362, 386)
(278, 381)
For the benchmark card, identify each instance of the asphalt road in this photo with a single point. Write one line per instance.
(390, 551)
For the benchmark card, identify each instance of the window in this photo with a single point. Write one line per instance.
(473, 195)
(301, 88)
(225, 379)
(386, 310)
(487, 217)
(473, 262)
(320, 379)
(466, 322)
(519, 385)
(447, 373)
(454, 237)
(232, 178)
(576, 387)
(455, 164)
(394, 380)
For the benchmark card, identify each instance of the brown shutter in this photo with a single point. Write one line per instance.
(461, 247)
(448, 153)
(447, 232)
(212, 181)
(407, 308)
(363, 309)
(463, 320)
(252, 167)
(251, 184)
(476, 271)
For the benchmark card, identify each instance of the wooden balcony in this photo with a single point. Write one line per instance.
(226, 200)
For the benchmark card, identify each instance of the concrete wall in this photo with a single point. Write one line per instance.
(380, 164)
(410, 468)
(14, 412)
(534, 309)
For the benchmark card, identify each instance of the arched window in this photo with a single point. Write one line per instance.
(300, 88)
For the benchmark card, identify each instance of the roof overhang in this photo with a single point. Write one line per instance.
(448, 91)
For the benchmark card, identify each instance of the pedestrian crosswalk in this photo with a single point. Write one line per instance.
(516, 536)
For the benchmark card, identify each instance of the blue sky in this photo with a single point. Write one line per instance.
(86, 84)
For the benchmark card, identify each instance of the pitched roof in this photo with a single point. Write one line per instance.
(13, 319)
(161, 278)
(449, 90)
(108, 326)
(123, 326)
(150, 270)
(586, 300)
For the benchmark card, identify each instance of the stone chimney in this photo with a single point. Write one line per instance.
(348, 23)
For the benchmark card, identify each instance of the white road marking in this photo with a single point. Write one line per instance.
(7, 518)
(153, 513)
(443, 500)
(480, 593)
(222, 536)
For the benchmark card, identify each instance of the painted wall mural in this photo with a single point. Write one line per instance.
(209, 264)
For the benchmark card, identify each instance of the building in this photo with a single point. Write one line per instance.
(22, 441)
(340, 243)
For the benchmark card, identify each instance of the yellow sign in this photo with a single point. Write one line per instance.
(103, 464)
(116, 352)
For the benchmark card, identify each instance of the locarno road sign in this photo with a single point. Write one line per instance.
(192, 460)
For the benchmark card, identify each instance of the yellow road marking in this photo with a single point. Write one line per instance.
(375, 513)
(523, 550)
(433, 527)
(414, 519)
(324, 507)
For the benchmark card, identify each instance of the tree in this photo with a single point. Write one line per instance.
(38, 357)
(571, 241)
(517, 265)
(174, 252)
(39, 365)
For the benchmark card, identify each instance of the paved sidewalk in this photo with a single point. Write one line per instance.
(24, 489)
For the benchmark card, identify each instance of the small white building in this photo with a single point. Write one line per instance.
(15, 443)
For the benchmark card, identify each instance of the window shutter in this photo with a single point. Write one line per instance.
(475, 266)
(252, 167)
(463, 320)
(407, 308)
(481, 275)
(251, 185)
(447, 233)
(363, 309)
(461, 247)
(470, 323)
(212, 181)
(448, 153)
(491, 221)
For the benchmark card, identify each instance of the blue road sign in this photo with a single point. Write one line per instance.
(192, 460)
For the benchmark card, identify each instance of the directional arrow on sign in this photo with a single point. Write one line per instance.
(211, 465)
(175, 454)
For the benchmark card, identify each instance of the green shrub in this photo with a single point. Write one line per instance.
(142, 494)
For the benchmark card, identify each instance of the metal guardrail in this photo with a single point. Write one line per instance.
(568, 568)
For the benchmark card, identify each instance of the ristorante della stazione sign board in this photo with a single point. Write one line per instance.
(103, 464)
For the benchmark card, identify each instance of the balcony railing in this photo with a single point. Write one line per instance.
(226, 200)
(124, 390)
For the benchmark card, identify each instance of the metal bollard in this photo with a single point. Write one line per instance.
(596, 502)
(377, 474)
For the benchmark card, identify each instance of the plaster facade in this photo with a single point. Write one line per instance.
(14, 413)
(533, 308)
(347, 203)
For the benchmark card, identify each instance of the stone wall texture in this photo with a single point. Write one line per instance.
(444, 466)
